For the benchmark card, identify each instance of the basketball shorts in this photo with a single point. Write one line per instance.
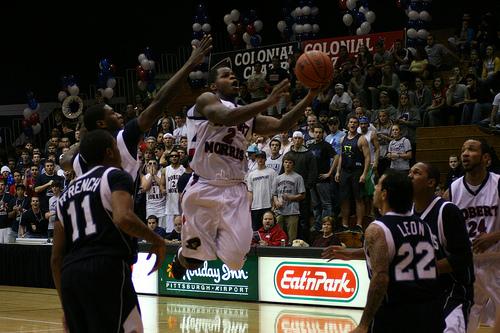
(456, 308)
(98, 296)
(217, 223)
(349, 184)
(369, 188)
(409, 318)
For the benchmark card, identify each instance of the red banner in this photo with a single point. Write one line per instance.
(331, 46)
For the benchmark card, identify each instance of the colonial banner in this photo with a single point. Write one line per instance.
(331, 46)
(242, 61)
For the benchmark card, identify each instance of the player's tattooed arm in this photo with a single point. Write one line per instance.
(376, 247)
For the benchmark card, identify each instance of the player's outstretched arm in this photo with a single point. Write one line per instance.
(171, 88)
(124, 217)
(266, 125)
(376, 246)
(210, 106)
(342, 253)
(57, 255)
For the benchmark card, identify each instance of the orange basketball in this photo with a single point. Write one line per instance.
(314, 69)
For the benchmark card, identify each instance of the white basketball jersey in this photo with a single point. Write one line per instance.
(479, 206)
(155, 200)
(219, 152)
(171, 177)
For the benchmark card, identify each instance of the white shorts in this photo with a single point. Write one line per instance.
(219, 217)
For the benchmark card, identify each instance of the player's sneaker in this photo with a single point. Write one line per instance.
(357, 228)
(176, 269)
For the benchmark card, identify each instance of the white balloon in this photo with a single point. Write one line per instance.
(195, 42)
(62, 95)
(107, 93)
(370, 16)
(363, 10)
(365, 27)
(258, 25)
(206, 27)
(235, 15)
(192, 75)
(246, 37)
(422, 34)
(314, 11)
(411, 33)
(307, 28)
(141, 57)
(198, 75)
(36, 128)
(425, 16)
(141, 85)
(347, 18)
(227, 19)
(196, 27)
(145, 64)
(413, 15)
(151, 64)
(351, 4)
(27, 113)
(293, 13)
(299, 28)
(73, 90)
(111, 83)
(306, 10)
(315, 28)
(231, 28)
(359, 32)
(298, 11)
(281, 26)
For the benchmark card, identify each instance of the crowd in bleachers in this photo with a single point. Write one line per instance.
(302, 183)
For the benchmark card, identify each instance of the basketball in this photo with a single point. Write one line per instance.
(314, 69)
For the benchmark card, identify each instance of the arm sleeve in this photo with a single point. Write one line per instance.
(131, 136)
(458, 244)
(120, 180)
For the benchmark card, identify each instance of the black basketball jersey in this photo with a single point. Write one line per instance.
(352, 156)
(84, 209)
(448, 227)
(412, 264)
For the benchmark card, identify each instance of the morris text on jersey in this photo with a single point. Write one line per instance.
(224, 149)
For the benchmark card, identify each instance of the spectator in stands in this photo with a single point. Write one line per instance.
(436, 111)
(288, 191)
(402, 57)
(373, 79)
(184, 178)
(244, 96)
(286, 142)
(335, 137)
(399, 151)
(491, 63)
(323, 120)
(168, 141)
(7, 176)
(166, 125)
(180, 126)
(462, 40)
(478, 103)
(44, 183)
(183, 143)
(270, 234)
(341, 103)
(495, 114)
(327, 237)
(50, 215)
(363, 58)
(404, 89)
(455, 170)
(30, 178)
(275, 159)
(381, 57)
(260, 188)
(390, 82)
(5, 220)
(423, 97)
(418, 66)
(312, 121)
(322, 100)
(174, 237)
(168, 184)
(408, 118)
(437, 55)
(33, 223)
(356, 83)
(385, 104)
(275, 75)
(152, 221)
(19, 204)
(257, 84)
(475, 63)
(150, 142)
(18, 179)
(24, 162)
(252, 162)
(456, 94)
(155, 197)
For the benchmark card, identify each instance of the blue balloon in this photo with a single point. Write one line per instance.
(28, 131)
(412, 24)
(33, 104)
(148, 53)
(151, 87)
(360, 17)
(416, 6)
(196, 19)
(255, 40)
(302, 3)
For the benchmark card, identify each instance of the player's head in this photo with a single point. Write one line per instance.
(101, 116)
(424, 177)
(476, 155)
(394, 192)
(224, 81)
(98, 147)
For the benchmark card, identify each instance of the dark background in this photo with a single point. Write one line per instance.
(41, 43)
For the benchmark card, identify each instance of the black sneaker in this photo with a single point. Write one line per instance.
(177, 270)
(342, 228)
(357, 228)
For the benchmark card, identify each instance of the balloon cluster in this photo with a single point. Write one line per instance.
(199, 76)
(357, 16)
(300, 23)
(146, 71)
(68, 86)
(31, 122)
(244, 28)
(105, 79)
(418, 21)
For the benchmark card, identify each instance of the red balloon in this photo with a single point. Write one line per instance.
(25, 123)
(240, 28)
(235, 39)
(112, 68)
(251, 29)
(142, 74)
(138, 69)
(343, 4)
(34, 118)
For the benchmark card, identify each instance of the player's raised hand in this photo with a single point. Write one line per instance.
(200, 50)
(279, 90)
(159, 249)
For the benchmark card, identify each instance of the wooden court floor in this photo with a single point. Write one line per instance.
(38, 310)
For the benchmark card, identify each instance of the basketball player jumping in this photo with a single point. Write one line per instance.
(215, 204)
(477, 194)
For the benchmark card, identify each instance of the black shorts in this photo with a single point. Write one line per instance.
(349, 184)
(409, 318)
(98, 296)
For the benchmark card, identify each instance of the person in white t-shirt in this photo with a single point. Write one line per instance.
(341, 103)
